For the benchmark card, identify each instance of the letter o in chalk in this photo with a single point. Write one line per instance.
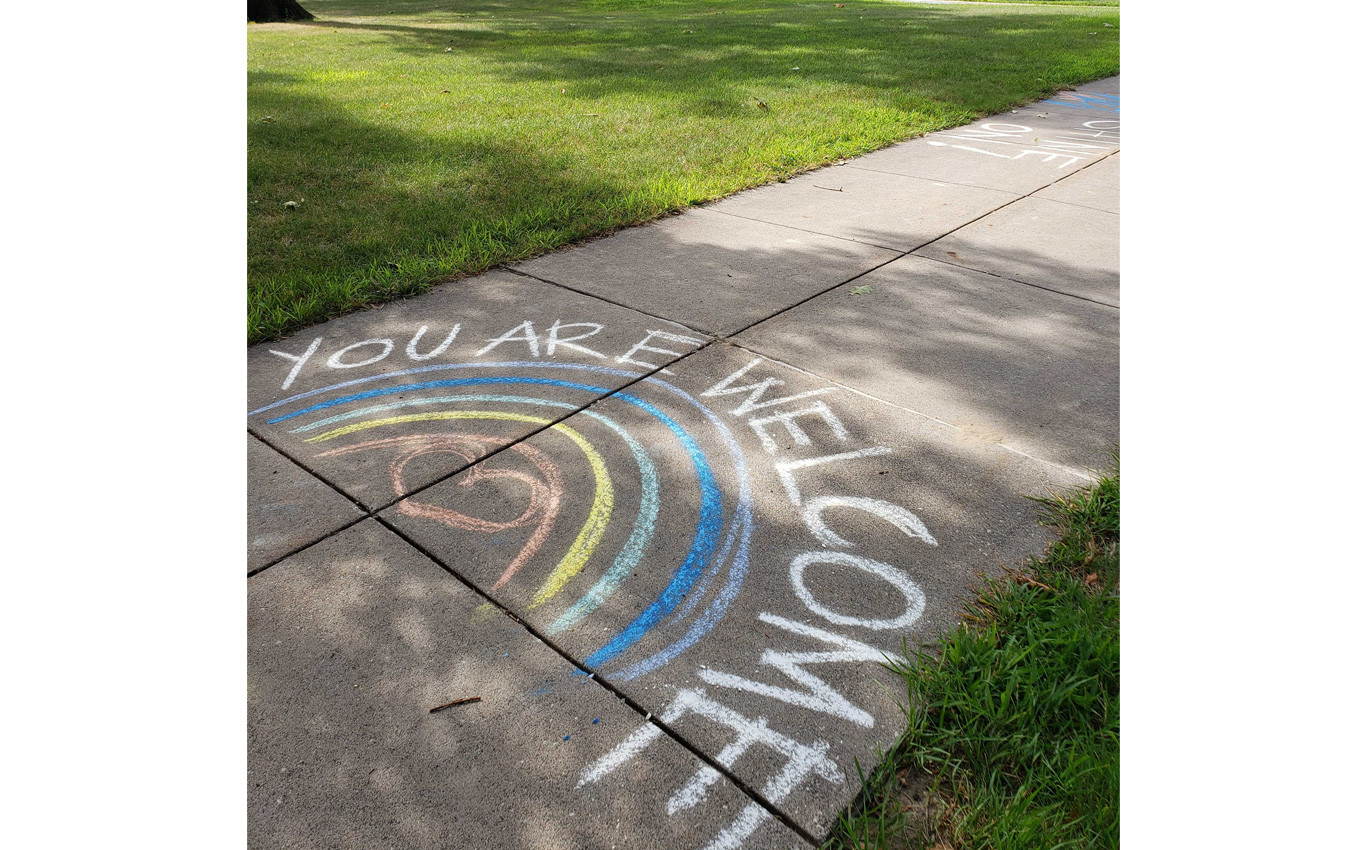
(335, 361)
(915, 599)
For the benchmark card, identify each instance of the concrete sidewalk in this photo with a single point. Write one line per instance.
(664, 501)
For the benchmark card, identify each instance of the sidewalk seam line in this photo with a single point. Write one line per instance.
(1002, 277)
(850, 164)
(365, 512)
(805, 230)
(902, 256)
(811, 297)
(273, 447)
(1071, 470)
(609, 301)
(329, 535)
(698, 753)
(1073, 204)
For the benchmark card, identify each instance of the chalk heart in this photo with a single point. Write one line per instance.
(456, 519)
(542, 493)
(537, 493)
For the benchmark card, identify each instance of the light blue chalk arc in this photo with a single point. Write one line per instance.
(738, 535)
(642, 533)
(709, 521)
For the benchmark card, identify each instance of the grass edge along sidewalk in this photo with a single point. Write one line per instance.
(392, 146)
(1013, 721)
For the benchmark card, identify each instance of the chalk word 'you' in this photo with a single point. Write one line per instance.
(796, 414)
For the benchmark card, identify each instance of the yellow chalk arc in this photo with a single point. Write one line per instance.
(599, 514)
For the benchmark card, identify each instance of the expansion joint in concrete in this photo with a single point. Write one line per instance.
(1085, 476)
(645, 715)
(710, 336)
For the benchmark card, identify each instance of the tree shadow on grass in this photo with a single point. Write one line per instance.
(652, 115)
(395, 210)
(954, 61)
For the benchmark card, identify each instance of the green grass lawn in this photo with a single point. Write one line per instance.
(419, 141)
(1013, 733)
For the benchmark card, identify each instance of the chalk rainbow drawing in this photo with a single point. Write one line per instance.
(447, 408)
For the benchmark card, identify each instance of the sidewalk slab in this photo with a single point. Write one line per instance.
(1096, 186)
(713, 272)
(1019, 152)
(1058, 246)
(353, 641)
(1032, 369)
(1098, 98)
(887, 210)
(550, 338)
(755, 519)
(1108, 85)
(287, 508)
(735, 542)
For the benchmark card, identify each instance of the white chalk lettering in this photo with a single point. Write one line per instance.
(522, 333)
(440, 349)
(756, 391)
(628, 749)
(995, 130)
(695, 791)
(915, 599)
(644, 345)
(818, 696)
(1067, 146)
(1049, 156)
(787, 467)
(803, 760)
(299, 360)
(794, 430)
(974, 150)
(734, 835)
(335, 361)
(1083, 148)
(553, 338)
(903, 519)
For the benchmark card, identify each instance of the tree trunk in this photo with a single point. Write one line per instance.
(264, 11)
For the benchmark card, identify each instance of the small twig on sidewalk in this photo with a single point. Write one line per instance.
(828, 189)
(455, 702)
